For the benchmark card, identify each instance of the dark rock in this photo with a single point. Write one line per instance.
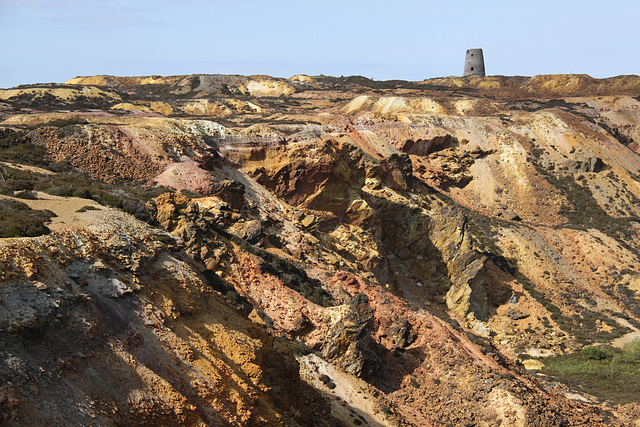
(399, 170)
(231, 192)
(591, 164)
(327, 381)
(510, 216)
(515, 313)
(251, 231)
(350, 344)
(398, 334)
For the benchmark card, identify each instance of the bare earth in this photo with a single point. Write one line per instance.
(65, 208)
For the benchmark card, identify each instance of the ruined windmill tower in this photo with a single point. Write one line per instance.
(474, 63)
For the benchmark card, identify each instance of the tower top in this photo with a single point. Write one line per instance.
(474, 63)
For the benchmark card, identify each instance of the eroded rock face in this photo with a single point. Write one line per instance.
(349, 342)
(323, 181)
(466, 267)
(407, 244)
(110, 317)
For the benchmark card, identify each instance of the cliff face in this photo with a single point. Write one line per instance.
(339, 251)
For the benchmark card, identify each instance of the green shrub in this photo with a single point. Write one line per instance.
(59, 167)
(82, 193)
(594, 353)
(9, 137)
(19, 184)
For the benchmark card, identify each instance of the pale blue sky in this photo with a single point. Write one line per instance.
(54, 40)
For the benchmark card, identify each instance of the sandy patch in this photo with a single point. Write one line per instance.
(66, 209)
(28, 168)
(626, 338)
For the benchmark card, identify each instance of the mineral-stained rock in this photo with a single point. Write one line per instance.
(592, 164)
(162, 354)
(398, 167)
(515, 313)
(467, 293)
(453, 165)
(398, 334)
(349, 343)
(251, 231)
(533, 365)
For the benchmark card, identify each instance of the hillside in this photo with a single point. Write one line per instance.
(249, 250)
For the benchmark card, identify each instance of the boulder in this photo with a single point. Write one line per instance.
(349, 342)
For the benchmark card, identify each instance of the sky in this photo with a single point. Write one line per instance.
(44, 41)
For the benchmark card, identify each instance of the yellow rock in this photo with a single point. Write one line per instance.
(60, 93)
(127, 106)
(533, 365)
(302, 78)
(161, 108)
(260, 88)
(206, 107)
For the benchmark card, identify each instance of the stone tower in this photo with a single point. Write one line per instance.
(474, 63)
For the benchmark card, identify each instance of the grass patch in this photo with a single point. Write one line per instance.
(608, 373)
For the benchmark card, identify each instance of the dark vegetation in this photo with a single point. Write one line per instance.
(18, 220)
(87, 208)
(129, 197)
(532, 105)
(298, 348)
(605, 372)
(353, 82)
(16, 147)
(45, 101)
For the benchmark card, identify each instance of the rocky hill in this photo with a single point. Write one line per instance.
(248, 250)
